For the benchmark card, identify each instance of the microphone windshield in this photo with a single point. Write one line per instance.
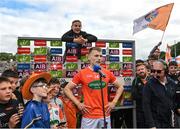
(96, 68)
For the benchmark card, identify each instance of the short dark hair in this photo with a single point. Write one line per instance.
(10, 73)
(95, 48)
(75, 21)
(54, 81)
(139, 64)
(139, 61)
(172, 63)
(4, 79)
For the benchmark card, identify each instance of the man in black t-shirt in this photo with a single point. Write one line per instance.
(9, 113)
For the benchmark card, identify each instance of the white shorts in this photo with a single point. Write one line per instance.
(87, 123)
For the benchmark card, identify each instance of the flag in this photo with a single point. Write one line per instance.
(168, 56)
(156, 19)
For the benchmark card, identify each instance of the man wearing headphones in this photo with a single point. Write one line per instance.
(158, 98)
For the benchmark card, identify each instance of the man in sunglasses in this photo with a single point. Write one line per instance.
(158, 98)
(137, 88)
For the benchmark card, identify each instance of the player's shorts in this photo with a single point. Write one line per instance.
(87, 123)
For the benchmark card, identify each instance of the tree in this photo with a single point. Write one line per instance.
(162, 55)
(6, 56)
(175, 49)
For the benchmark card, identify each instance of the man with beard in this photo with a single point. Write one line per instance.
(137, 88)
(158, 96)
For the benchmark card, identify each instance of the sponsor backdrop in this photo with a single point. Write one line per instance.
(46, 54)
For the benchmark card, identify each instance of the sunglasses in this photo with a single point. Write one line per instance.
(43, 85)
(154, 71)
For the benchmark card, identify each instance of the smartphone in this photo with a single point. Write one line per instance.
(61, 123)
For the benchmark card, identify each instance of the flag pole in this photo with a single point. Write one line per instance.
(162, 35)
(175, 48)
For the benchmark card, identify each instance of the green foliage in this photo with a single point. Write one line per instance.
(162, 55)
(6, 56)
(175, 49)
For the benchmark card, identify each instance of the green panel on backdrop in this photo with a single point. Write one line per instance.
(23, 42)
(23, 58)
(113, 45)
(40, 51)
(71, 66)
(56, 43)
(57, 74)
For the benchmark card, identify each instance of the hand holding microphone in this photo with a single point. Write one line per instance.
(97, 69)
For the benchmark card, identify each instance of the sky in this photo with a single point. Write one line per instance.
(107, 19)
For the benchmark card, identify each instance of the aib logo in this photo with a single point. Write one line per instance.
(150, 16)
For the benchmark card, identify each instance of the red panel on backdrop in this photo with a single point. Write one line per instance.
(39, 58)
(23, 50)
(100, 44)
(39, 42)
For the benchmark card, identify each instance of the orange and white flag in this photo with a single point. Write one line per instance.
(156, 19)
(168, 56)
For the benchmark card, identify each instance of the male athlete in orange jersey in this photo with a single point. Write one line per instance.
(91, 108)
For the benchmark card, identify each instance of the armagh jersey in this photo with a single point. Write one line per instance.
(36, 115)
(70, 112)
(92, 92)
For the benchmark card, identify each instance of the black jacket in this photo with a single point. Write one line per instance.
(6, 111)
(158, 103)
(137, 89)
(70, 35)
(19, 96)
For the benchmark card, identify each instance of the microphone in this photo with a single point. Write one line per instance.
(97, 69)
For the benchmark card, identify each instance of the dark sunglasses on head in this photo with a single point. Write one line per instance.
(154, 70)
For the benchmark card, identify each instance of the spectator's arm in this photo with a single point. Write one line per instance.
(90, 38)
